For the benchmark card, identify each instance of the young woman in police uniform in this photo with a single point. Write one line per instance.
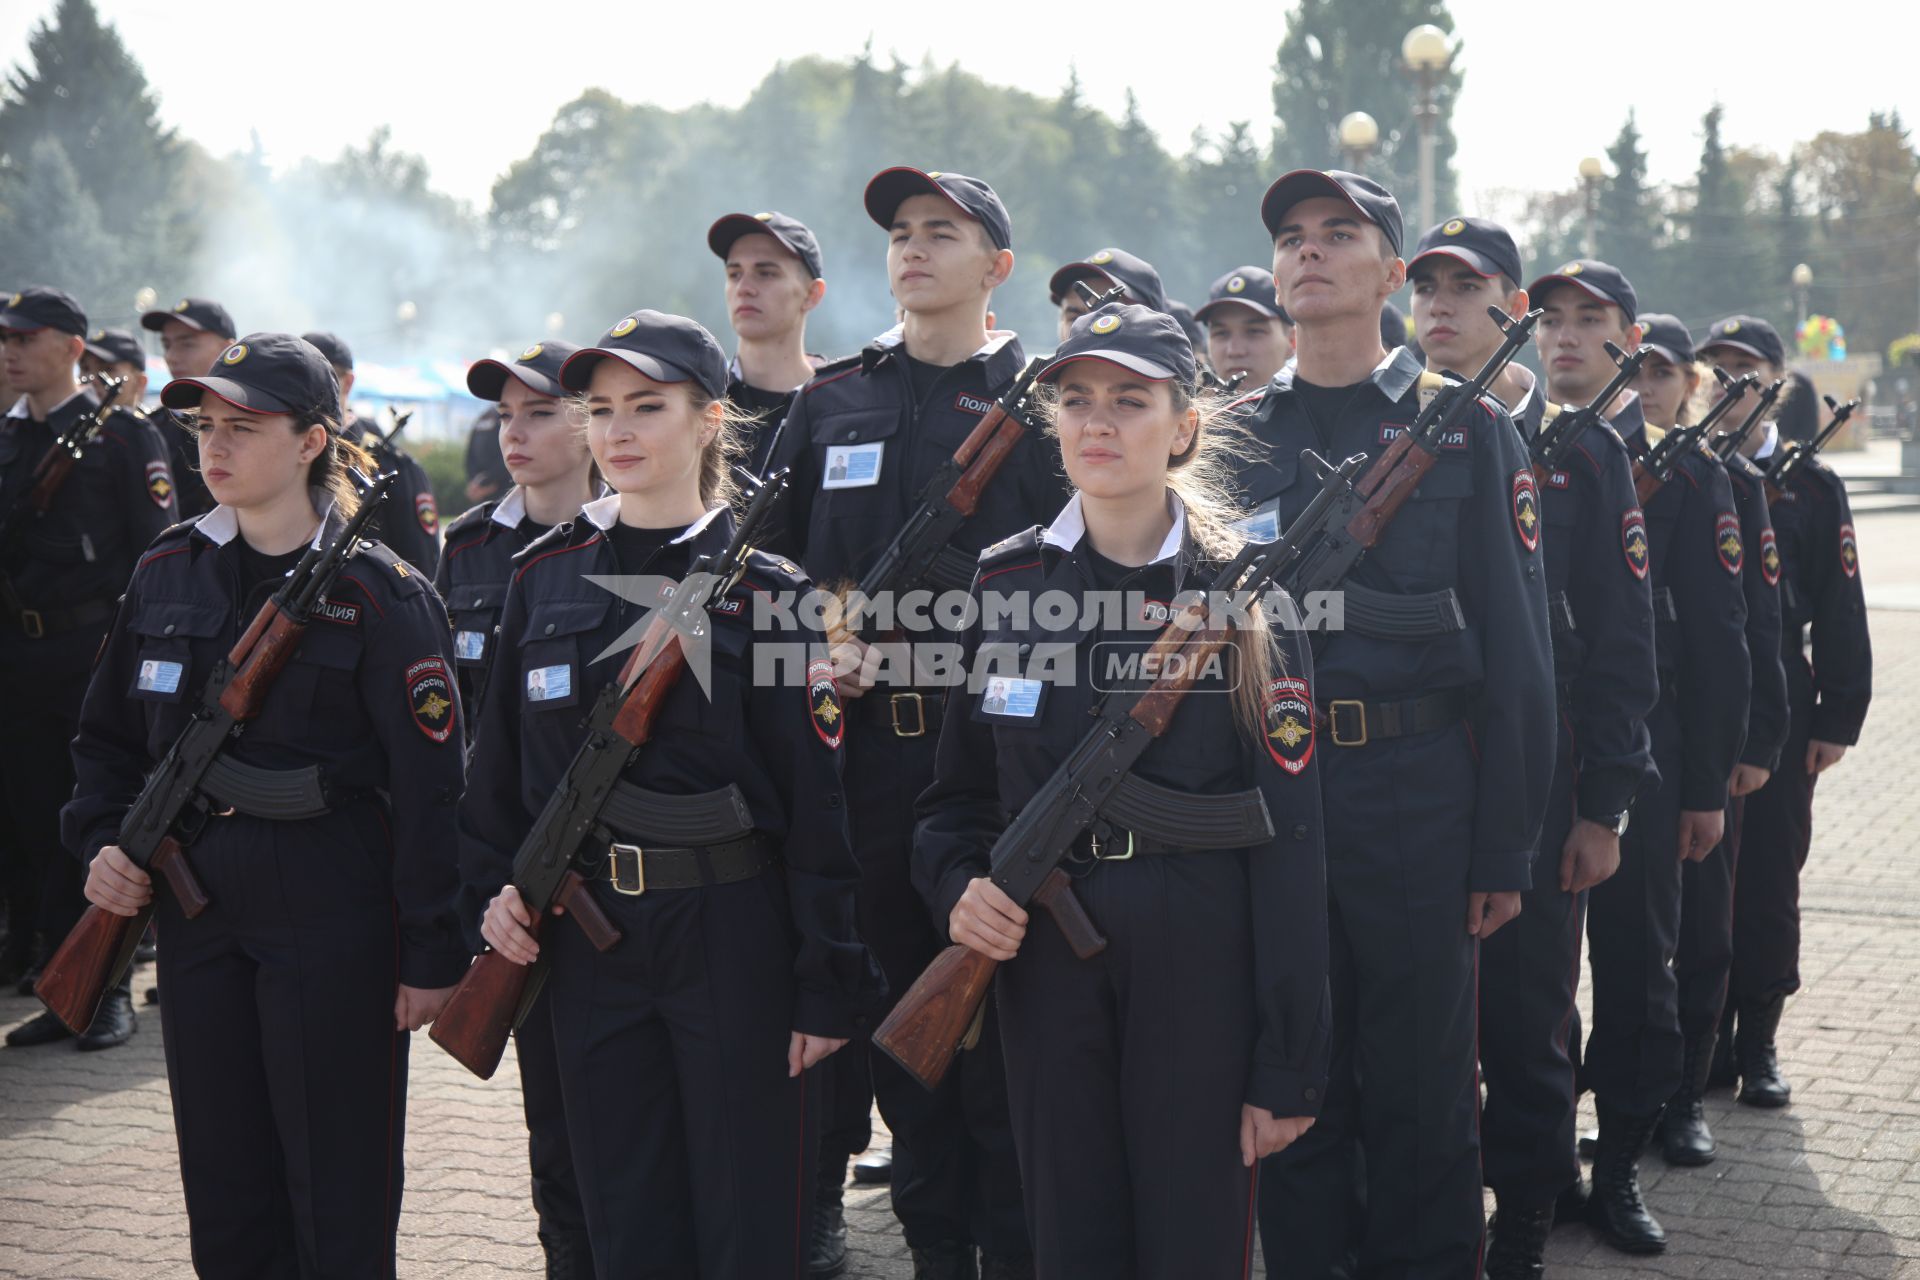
(1146, 1082)
(681, 1048)
(331, 933)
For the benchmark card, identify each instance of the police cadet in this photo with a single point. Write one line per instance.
(1102, 272)
(1249, 334)
(331, 933)
(1703, 959)
(680, 1049)
(60, 573)
(1829, 683)
(552, 473)
(1206, 1017)
(1692, 554)
(193, 333)
(1435, 780)
(773, 281)
(409, 520)
(116, 353)
(863, 437)
(1601, 618)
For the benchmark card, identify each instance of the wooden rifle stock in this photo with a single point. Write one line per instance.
(269, 642)
(478, 1017)
(925, 1029)
(1386, 486)
(982, 453)
(77, 975)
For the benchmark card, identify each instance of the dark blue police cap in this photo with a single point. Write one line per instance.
(264, 373)
(1371, 200)
(338, 353)
(1148, 342)
(41, 307)
(195, 313)
(1250, 287)
(971, 196)
(1750, 334)
(537, 368)
(790, 232)
(661, 347)
(1667, 336)
(116, 346)
(1484, 246)
(1108, 268)
(1597, 279)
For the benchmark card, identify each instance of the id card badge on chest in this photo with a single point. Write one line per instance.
(1263, 525)
(1010, 700)
(853, 466)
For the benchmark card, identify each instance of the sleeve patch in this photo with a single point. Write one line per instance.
(1289, 723)
(1770, 557)
(430, 698)
(1726, 541)
(823, 702)
(1526, 508)
(427, 512)
(159, 483)
(1849, 552)
(1633, 542)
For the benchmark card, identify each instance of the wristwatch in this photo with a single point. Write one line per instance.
(1616, 821)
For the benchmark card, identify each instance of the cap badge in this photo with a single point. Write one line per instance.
(182, 305)
(14, 301)
(764, 217)
(1101, 258)
(98, 334)
(235, 354)
(1453, 228)
(531, 351)
(1731, 326)
(1106, 324)
(1237, 285)
(1572, 269)
(936, 174)
(626, 327)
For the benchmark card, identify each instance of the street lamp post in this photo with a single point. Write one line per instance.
(1591, 174)
(1427, 53)
(1359, 134)
(1916, 191)
(1802, 281)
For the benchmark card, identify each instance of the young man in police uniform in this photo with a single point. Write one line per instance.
(60, 576)
(773, 281)
(118, 354)
(409, 519)
(1102, 272)
(1435, 778)
(1829, 667)
(193, 332)
(1248, 332)
(1601, 616)
(862, 439)
(1692, 556)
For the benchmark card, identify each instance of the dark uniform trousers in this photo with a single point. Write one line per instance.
(953, 1146)
(672, 1052)
(1161, 1193)
(1703, 961)
(556, 1192)
(289, 1081)
(1402, 969)
(1529, 972)
(1778, 835)
(36, 777)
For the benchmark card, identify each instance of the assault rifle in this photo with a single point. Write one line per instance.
(1781, 466)
(1728, 443)
(1549, 448)
(1656, 467)
(58, 462)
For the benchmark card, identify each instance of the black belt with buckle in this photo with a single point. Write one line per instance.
(37, 623)
(908, 715)
(633, 870)
(1349, 722)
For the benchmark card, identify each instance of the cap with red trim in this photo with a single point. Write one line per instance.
(790, 232)
(1667, 336)
(1108, 268)
(1485, 247)
(338, 353)
(264, 373)
(1148, 342)
(41, 307)
(195, 313)
(537, 368)
(1371, 200)
(1250, 287)
(1750, 334)
(661, 347)
(1599, 280)
(891, 187)
(116, 346)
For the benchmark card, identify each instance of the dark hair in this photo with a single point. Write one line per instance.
(332, 471)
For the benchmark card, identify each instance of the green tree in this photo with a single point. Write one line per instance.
(48, 220)
(1867, 245)
(1344, 55)
(1628, 222)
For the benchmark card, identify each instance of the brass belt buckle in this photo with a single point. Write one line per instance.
(621, 857)
(32, 623)
(1359, 709)
(919, 706)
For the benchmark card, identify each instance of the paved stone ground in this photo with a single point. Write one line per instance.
(1828, 1188)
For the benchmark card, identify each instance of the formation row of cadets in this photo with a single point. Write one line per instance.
(1411, 722)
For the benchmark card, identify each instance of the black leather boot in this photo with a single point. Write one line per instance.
(1616, 1209)
(948, 1260)
(874, 1169)
(827, 1252)
(1571, 1207)
(44, 1029)
(113, 1025)
(1761, 1084)
(569, 1256)
(1518, 1247)
(1684, 1136)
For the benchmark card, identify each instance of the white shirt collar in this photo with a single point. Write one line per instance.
(512, 509)
(897, 337)
(1769, 439)
(220, 525)
(1525, 377)
(604, 513)
(1071, 525)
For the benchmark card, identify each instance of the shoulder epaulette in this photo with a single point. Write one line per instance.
(776, 567)
(1026, 542)
(547, 541)
(472, 516)
(402, 578)
(174, 531)
(830, 370)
